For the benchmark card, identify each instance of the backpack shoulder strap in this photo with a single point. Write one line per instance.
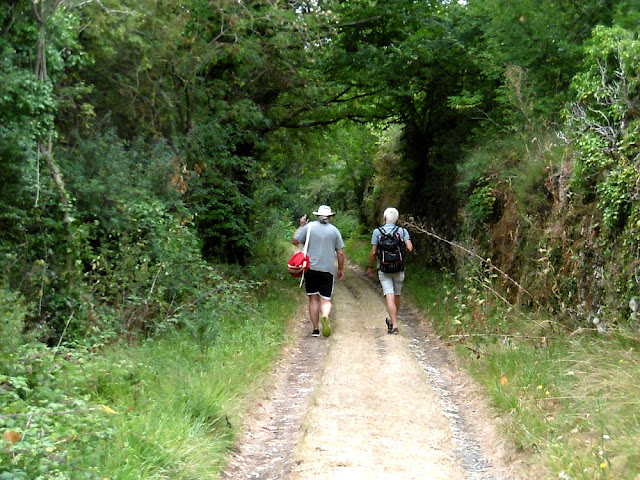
(391, 233)
(306, 240)
(304, 250)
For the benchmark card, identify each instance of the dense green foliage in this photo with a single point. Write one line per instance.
(167, 407)
(153, 152)
(141, 120)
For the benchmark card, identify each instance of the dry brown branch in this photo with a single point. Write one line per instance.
(415, 226)
(507, 335)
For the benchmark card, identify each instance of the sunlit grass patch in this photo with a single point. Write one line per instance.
(358, 249)
(575, 402)
(605, 402)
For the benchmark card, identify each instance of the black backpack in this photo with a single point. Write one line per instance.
(390, 251)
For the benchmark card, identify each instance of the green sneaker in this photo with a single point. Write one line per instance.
(326, 328)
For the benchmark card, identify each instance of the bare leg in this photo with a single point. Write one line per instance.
(314, 310)
(325, 307)
(392, 307)
(325, 310)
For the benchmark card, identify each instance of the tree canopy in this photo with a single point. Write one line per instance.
(125, 122)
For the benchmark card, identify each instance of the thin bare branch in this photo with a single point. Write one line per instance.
(107, 10)
(422, 229)
(507, 335)
(360, 22)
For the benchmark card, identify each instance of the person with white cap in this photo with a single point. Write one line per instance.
(325, 244)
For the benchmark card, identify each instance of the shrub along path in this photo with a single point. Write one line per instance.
(363, 404)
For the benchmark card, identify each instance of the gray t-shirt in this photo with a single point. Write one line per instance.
(325, 239)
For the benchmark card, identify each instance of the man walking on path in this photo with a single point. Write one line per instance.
(325, 243)
(391, 281)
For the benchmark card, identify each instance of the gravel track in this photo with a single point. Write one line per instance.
(363, 404)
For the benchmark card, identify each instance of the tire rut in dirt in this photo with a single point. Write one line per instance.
(354, 286)
(265, 451)
(351, 288)
(433, 358)
(381, 346)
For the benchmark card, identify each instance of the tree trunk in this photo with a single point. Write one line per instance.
(43, 11)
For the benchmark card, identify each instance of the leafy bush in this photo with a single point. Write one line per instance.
(12, 315)
(481, 204)
(604, 120)
(138, 252)
(45, 420)
(170, 405)
(347, 223)
(272, 249)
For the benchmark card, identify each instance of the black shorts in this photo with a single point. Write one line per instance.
(319, 283)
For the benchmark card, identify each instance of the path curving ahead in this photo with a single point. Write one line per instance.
(363, 404)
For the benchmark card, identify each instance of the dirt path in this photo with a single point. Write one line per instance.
(366, 405)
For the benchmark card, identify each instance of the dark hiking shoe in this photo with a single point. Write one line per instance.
(315, 333)
(393, 331)
(388, 322)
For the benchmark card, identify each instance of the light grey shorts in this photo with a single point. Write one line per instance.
(391, 282)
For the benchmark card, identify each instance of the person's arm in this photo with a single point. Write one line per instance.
(303, 222)
(372, 260)
(409, 245)
(340, 253)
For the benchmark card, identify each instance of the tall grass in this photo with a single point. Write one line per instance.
(432, 291)
(569, 400)
(168, 407)
(181, 415)
(357, 248)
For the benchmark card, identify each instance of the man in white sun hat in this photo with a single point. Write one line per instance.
(325, 244)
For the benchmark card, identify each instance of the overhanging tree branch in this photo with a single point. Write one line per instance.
(360, 22)
(338, 98)
(354, 118)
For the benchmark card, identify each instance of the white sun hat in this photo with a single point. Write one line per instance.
(324, 211)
